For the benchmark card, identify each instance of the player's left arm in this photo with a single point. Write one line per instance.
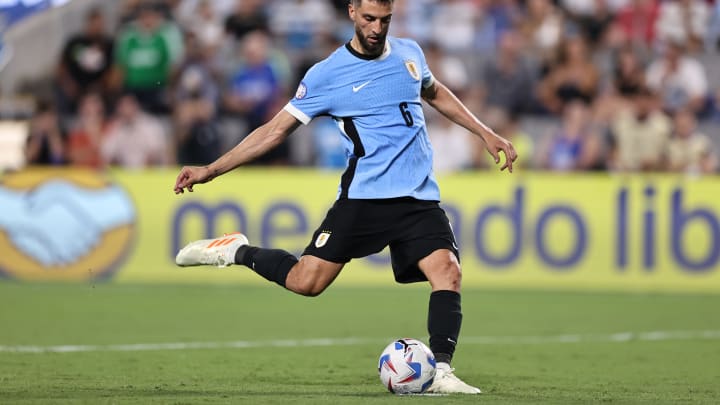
(443, 100)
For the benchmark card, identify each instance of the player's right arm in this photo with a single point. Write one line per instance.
(260, 141)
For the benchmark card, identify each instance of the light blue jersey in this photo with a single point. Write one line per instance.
(376, 104)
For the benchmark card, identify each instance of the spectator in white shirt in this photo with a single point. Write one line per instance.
(680, 79)
(683, 21)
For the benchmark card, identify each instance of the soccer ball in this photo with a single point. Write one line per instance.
(406, 366)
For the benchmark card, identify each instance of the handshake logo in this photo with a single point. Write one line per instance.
(55, 227)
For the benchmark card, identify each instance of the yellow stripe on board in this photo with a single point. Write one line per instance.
(574, 231)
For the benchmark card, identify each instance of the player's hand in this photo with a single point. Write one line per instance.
(495, 144)
(189, 176)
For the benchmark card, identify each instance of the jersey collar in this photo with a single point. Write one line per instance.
(357, 54)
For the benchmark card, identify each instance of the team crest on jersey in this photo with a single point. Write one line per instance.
(412, 69)
(301, 91)
(322, 239)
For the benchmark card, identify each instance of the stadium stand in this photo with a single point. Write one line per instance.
(210, 50)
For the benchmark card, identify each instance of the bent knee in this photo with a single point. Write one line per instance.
(307, 288)
(448, 277)
(311, 276)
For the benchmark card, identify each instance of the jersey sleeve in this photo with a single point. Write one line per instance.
(311, 98)
(427, 77)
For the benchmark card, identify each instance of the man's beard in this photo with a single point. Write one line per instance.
(371, 49)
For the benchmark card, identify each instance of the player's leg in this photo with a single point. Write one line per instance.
(425, 250)
(442, 270)
(308, 276)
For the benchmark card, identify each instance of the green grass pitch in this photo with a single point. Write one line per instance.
(260, 344)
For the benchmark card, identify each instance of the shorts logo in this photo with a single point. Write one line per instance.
(322, 239)
(412, 69)
(301, 91)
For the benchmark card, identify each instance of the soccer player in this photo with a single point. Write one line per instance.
(371, 87)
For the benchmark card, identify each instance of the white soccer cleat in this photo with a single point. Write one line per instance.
(218, 252)
(447, 383)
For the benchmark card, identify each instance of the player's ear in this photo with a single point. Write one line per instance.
(351, 10)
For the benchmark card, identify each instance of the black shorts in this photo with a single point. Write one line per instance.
(357, 228)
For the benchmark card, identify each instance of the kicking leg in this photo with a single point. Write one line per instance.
(308, 276)
(442, 269)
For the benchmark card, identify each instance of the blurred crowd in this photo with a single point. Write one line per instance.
(620, 85)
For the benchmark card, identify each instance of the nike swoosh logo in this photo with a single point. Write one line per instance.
(358, 88)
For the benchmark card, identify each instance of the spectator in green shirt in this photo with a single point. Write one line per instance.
(144, 59)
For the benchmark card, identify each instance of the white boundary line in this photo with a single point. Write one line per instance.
(620, 337)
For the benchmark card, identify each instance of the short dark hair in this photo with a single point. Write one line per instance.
(357, 3)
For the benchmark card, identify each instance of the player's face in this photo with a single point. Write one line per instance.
(372, 21)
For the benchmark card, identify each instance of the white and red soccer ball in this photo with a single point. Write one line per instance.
(407, 366)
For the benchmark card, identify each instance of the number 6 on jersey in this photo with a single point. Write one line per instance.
(407, 116)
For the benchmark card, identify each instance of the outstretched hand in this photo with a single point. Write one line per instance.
(189, 176)
(495, 144)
